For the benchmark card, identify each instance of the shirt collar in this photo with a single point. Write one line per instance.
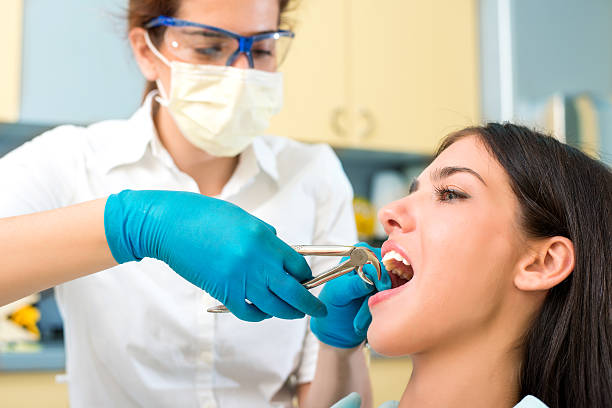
(265, 156)
(142, 134)
(255, 158)
(127, 144)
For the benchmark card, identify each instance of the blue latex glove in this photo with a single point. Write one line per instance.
(215, 245)
(348, 316)
(353, 400)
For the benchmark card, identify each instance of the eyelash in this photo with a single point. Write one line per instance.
(442, 192)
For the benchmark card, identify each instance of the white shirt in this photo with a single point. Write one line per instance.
(528, 402)
(138, 334)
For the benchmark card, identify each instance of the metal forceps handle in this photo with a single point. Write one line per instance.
(358, 257)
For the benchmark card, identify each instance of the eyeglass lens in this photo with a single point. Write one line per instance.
(203, 46)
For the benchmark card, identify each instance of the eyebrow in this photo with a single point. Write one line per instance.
(214, 34)
(445, 172)
(202, 33)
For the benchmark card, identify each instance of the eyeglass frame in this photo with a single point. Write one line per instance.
(245, 43)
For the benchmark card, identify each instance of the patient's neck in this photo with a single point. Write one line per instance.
(480, 371)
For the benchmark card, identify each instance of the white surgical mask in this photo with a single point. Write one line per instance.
(220, 109)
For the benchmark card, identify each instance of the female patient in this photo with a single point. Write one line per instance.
(500, 260)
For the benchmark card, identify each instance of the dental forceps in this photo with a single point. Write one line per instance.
(358, 258)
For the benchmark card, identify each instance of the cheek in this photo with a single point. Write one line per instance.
(464, 273)
(466, 259)
(165, 77)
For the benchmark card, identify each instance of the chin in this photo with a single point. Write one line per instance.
(386, 341)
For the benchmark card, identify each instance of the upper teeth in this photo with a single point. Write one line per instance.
(396, 264)
(396, 256)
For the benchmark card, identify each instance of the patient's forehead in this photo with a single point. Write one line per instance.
(470, 152)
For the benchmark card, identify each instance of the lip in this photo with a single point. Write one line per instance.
(388, 246)
(384, 295)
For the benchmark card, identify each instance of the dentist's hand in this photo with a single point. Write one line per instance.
(215, 245)
(346, 298)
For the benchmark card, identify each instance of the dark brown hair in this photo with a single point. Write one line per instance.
(140, 12)
(562, 192)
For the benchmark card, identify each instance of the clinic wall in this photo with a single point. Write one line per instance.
(10, 63)
(561, 45)
(76, 62)
(489, 60)
(534, 49)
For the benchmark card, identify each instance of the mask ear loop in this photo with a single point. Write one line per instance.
(163, 99)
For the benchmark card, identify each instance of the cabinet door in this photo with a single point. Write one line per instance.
(10, 62)
(414, 68)
(315, 75)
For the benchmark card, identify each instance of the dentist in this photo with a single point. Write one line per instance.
(137, 333)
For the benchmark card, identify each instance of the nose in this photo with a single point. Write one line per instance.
(397, 217)
(241, 61)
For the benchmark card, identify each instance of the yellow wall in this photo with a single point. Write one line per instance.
(389, 378)
(10, 64)
(39, 389)
(32, 389)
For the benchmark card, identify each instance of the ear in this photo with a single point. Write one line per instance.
(146, 60)
(549, 262)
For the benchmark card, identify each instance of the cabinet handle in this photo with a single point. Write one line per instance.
(336, 116)
(370, 122)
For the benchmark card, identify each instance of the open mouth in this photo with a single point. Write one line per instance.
(400, 270)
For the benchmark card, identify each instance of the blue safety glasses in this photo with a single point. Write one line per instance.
(203, 44)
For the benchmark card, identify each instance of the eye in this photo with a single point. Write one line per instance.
(261, 53)
(210, 51)
(448, 194)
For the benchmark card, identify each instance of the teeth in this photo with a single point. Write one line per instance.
(397, 265)
(401, 274)
(395, 256)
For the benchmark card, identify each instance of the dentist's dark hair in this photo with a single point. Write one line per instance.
(562, 192)
(140, 12)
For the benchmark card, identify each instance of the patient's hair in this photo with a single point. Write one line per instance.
(562, 192)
